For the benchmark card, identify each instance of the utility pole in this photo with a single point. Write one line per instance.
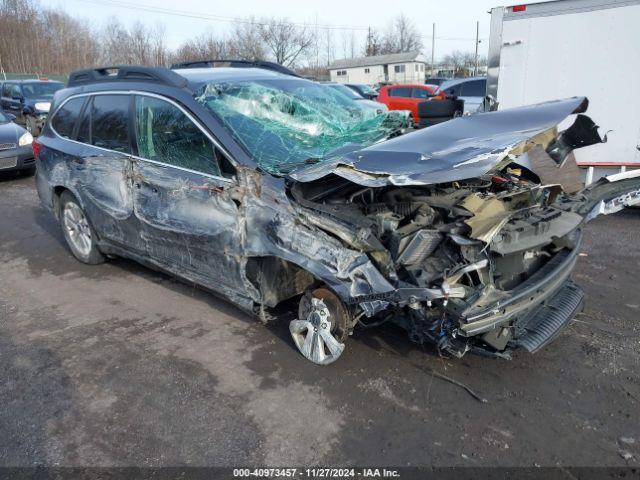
(475, 70)
(433, 47)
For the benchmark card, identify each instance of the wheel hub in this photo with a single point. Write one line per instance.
(312, 332)
(77, 228)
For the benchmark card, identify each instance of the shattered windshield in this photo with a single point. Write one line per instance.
(285, 123)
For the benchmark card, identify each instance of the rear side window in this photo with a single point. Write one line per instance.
(165, 134)
(475, 88)
(65, 118)
(109, 117)
(400, 92)
(456, 90)
(420, 92)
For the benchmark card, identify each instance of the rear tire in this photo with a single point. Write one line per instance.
(77, 231)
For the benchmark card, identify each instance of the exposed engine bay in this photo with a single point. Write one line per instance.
(481, 264)
(494, 231)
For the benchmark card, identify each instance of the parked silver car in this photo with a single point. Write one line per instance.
(472, 90)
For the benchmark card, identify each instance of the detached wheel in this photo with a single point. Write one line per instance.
(321, 328)
(77, 231)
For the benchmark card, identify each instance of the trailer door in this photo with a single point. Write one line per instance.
(566, 48)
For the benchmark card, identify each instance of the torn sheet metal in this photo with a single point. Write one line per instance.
(461, 148)
(566, 174)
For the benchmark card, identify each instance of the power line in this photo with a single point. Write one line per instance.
(207, 16)
(227, 19)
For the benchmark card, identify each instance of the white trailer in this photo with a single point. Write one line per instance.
(564, 48)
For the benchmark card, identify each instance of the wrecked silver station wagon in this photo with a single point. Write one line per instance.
(264, 188)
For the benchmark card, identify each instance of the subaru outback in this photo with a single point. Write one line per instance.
(263, 188)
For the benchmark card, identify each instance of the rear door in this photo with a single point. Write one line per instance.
(182, 195)
(100, 167)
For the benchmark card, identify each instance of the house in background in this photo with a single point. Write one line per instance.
(409, 67)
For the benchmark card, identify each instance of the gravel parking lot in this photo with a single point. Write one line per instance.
(121, 365)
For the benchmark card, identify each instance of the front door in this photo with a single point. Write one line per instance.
(401, 100)
(182, 186)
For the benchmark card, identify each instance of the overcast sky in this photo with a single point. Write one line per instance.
(455, 19)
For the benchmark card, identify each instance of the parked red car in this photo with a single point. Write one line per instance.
(407, 97)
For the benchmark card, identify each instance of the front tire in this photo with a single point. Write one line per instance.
(78, 232)
(32, 126)
(322, 326)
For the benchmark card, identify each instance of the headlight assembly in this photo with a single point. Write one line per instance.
(42, 106)
(25, 139)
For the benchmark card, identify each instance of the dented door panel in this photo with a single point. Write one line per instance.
(189, 223)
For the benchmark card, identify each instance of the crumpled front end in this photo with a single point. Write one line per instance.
(479, 262)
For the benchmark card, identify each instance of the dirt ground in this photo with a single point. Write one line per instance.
(119, 365)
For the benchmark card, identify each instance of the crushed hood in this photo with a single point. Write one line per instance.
(461, 148)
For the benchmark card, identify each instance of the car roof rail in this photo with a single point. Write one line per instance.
(126, 73)
(276, 67)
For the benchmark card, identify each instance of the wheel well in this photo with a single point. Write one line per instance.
(55, 199)
(277, 279)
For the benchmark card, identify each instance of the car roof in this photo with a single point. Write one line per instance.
(457, 81)
(410, 85)
(404, 85)
(200, 76)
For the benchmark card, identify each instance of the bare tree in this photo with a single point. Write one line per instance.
(374, 43)
(36, 40)
(203, 47)
(401, 36)
(328, 42)
(461, 62)
(245, 41)
(349, 44)
(285, 41)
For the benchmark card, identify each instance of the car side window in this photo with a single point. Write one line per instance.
(110, 122)
(420, 93)
(165, 134)
(11, 90)
(455, 90)
(400, 92)
(474, 88)
(84, 130)
(65, 118)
